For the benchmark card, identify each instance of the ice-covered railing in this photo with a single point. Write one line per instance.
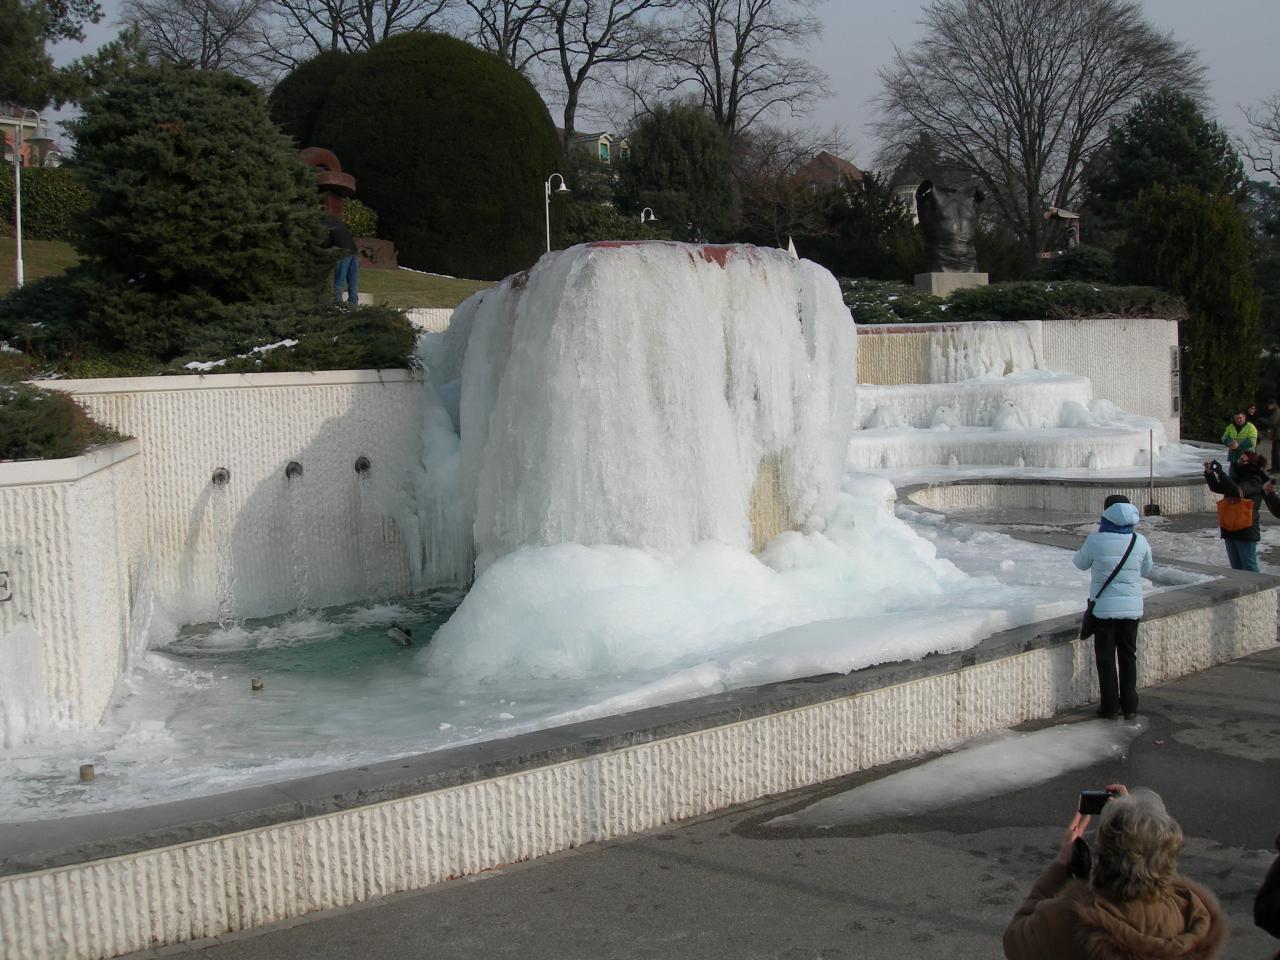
(630, 394)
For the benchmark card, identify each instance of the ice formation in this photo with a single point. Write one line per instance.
(628, 394)
(977, 351)
(991, 402)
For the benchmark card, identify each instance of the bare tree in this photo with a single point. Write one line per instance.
(1019, 93)
(590, 35)
(300, 29)
(511, 29)
(206, 34)
(775, 203)
(1263, 146)
(742, 56)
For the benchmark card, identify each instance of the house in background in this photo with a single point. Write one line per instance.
(604, 147)
(826, 172)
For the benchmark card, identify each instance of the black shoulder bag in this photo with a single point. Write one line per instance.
(1089, 623)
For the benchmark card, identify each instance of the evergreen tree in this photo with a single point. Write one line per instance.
(297, 100)
(1164, 140)
(451, 146)
(198, 205)
(681, 167)
(1198, 246)
(874, 236)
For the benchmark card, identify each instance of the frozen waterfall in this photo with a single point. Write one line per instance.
(629, 394)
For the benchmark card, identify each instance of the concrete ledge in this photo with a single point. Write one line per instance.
(1175, 495)
(15, 473)
(223, 381)
(104, 885)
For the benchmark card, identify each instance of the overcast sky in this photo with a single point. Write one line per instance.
(1238, 41)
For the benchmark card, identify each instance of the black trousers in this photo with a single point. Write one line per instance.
(1115, 648)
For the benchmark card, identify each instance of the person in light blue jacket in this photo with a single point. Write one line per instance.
(1119, 608)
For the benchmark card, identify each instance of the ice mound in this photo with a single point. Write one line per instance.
(628, 394)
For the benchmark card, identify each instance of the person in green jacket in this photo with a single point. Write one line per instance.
(1239, 436)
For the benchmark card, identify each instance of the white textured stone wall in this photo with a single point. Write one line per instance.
(430, 319)
(208, 887)
(348, 532)
(71, 548)
(1188, 498)
(1128, 360)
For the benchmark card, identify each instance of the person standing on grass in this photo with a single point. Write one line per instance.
(1246, 479)
(346, 272)
(1118, 608)
(1239, 436)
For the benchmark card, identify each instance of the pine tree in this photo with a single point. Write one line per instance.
(681, 166)
(1198, 246)
(199, 206)
(1164, 140)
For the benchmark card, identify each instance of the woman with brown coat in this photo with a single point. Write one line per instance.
(1135, 906)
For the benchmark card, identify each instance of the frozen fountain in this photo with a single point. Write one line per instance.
(638, 459)
(651, 466)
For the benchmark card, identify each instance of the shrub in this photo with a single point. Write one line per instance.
(460, 188)
(875, 302)
(38, 424)
(52, 198)
(1080, 263)
(584, 222)
(880, 301)
(298, 99)
(330, 337)
(1036, 300)
(360, 219)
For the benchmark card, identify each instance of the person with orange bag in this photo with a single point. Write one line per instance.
(1243, 488)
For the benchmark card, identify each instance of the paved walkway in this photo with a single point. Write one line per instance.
(939, 885)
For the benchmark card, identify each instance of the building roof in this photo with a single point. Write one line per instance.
(828, 170)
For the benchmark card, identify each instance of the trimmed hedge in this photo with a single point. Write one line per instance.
(871, 301)
(52, 198)
(297, 100)
(38, 424)
(451, 146)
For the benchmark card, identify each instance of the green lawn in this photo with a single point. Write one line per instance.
(404, 288)
(39, 259)
(399, 288)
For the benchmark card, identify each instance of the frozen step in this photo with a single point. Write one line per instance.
(1033, 401)
(1093, 448)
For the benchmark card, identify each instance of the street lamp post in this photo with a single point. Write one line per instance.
(17, 188)
(563, 188)
(647, 216)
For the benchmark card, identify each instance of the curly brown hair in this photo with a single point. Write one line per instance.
(1137, 849)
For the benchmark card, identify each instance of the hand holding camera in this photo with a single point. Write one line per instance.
(1092, 801)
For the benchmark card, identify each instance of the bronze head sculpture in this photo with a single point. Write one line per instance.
(949, 222)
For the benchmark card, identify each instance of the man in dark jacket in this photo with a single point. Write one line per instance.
(1246, 479)
(346, 272)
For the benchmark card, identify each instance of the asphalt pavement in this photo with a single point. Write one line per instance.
(941, 884)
